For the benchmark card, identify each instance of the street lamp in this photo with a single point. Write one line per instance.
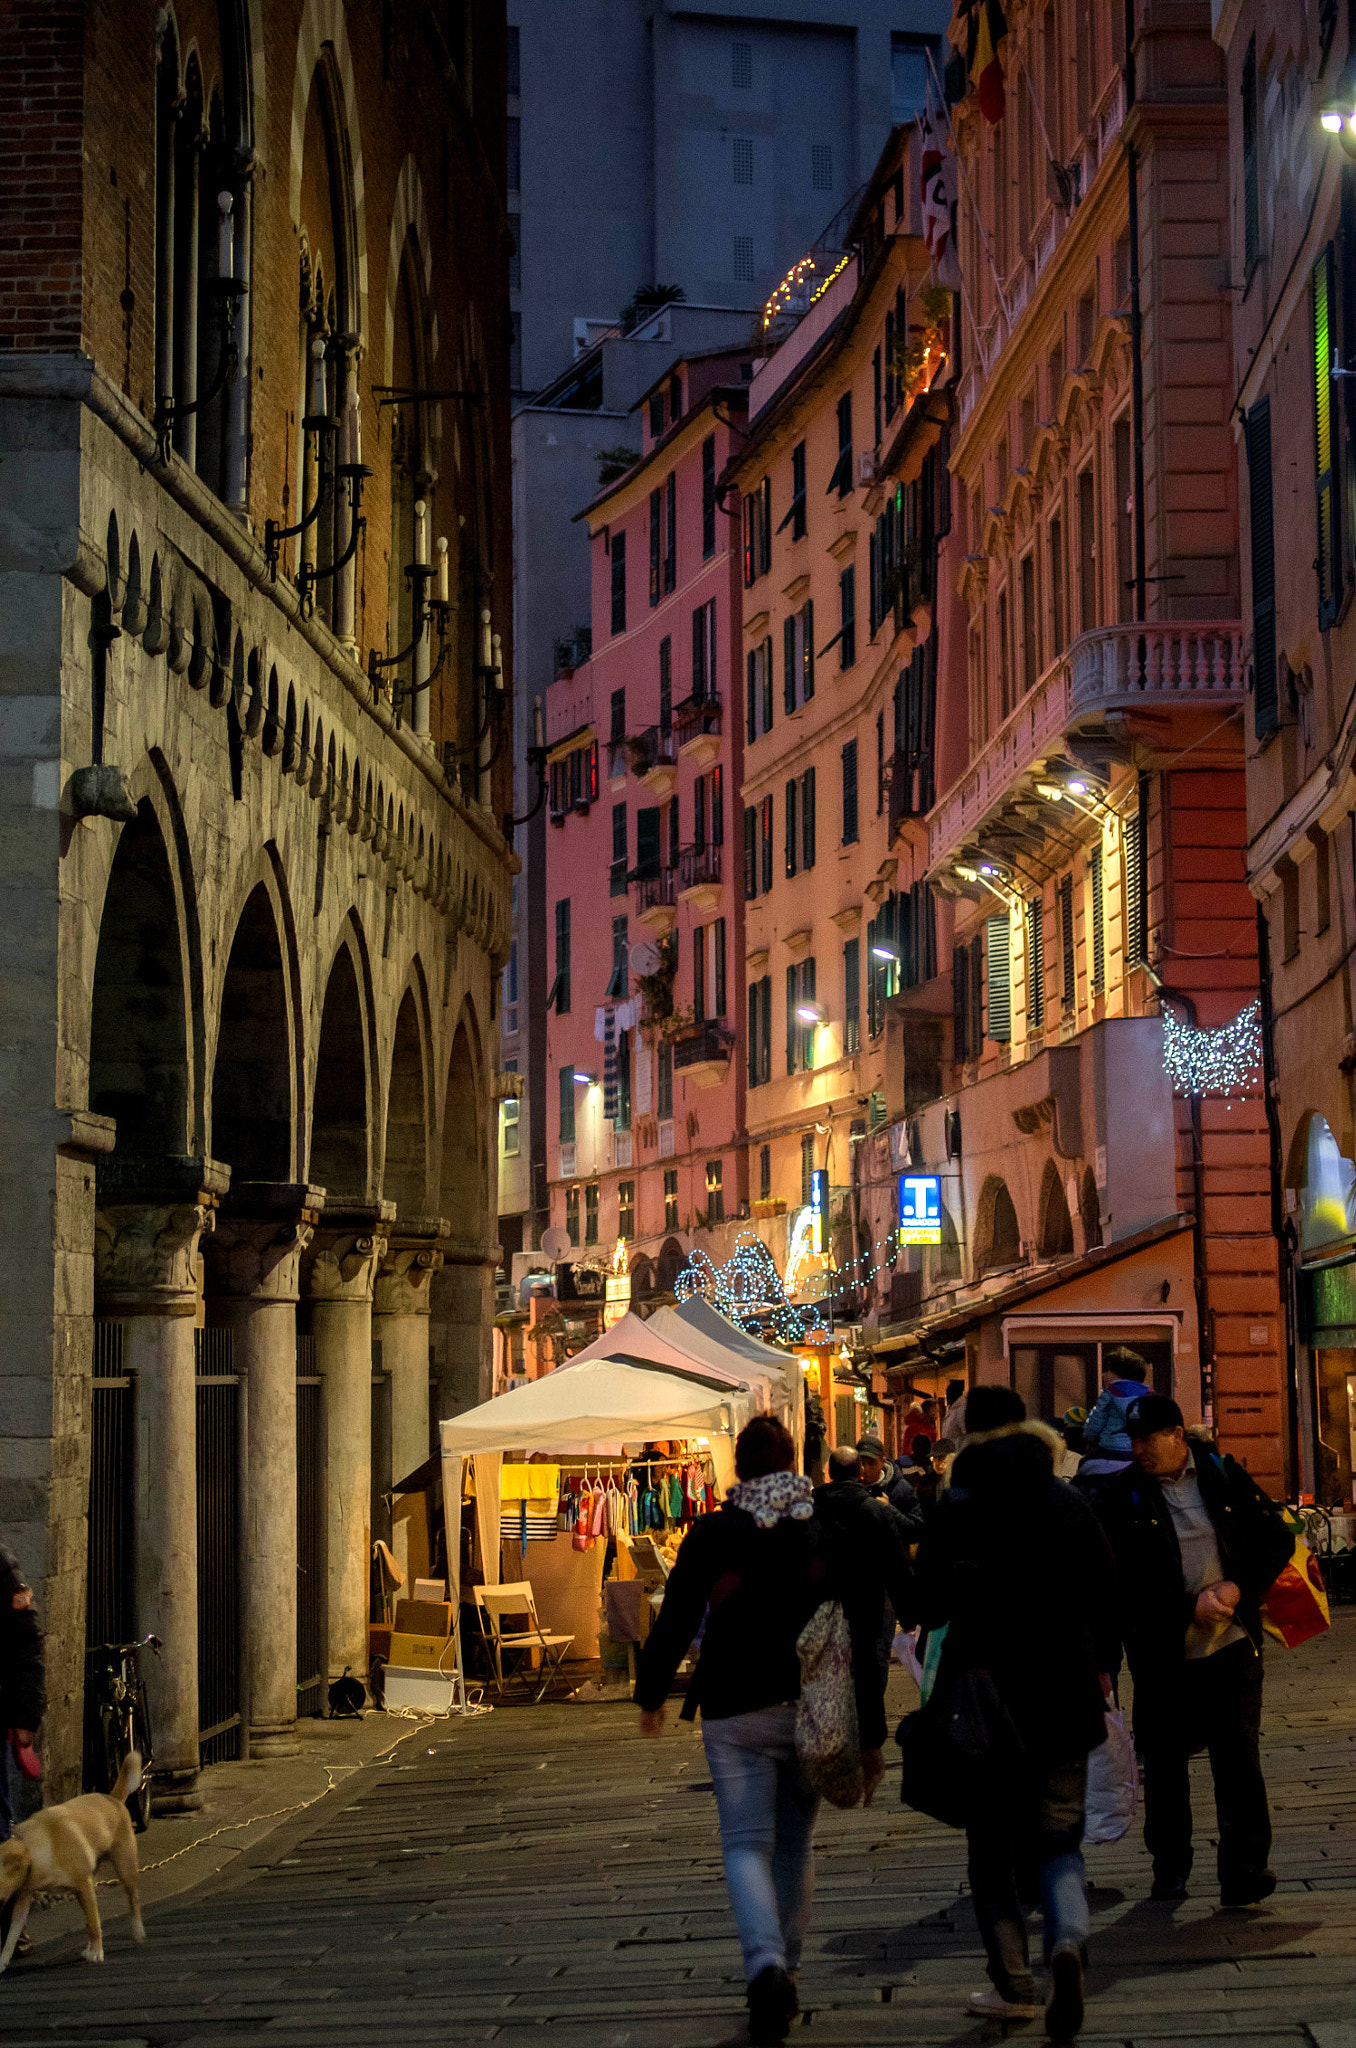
(1337, 115)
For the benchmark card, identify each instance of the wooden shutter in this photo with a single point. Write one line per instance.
(647, 842)
(792, 1022)
(1326, 448)
(792, 790)
(765, 1050)
(1264, 703)
(768, 683)
(1098, 924)
(1252, 213)
(960, 1000)
(977, 995)
(807, 683)
(750, 852)
(767, 842)
(807, 818)
(751, 697)
(1035, 964)
(753, 1034)
(1068, 988)
(850, 793)
(1136, 879)
(998, 947)
(789, 663)
(656, 543)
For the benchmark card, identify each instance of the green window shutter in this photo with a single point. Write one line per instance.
(789, 663)
(647, 842)
(1264, 701)
(1035, 964)
(765, 1050)
(976, 1028)
(1098, 925)
(753, 1034)
(960, 999)
(1136, 879)
(998, 947)
(1326, 453)
(751, 698)
(567, 1104)
(807, 818)
(1068, 985)
(792, 1022)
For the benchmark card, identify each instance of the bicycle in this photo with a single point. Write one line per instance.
(124, 1719)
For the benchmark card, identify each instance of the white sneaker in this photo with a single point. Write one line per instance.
(991, 2005)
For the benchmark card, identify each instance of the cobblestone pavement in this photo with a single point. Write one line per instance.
(546, 1876)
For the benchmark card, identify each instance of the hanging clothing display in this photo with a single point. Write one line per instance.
(529, 1503)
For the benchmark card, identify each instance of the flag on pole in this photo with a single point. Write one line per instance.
(988, 28)
(936, 197)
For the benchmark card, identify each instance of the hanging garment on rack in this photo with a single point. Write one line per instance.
(529, 1499)
(675, 1498)
(633, 1521)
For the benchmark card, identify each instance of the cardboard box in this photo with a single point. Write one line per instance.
(424, 1617)
(379, 1640)
(423, 1690)
(429, 1589)
(421, 1653)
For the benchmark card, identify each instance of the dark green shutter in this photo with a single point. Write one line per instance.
(807, 818)
(792, 1022)
(1098, 925)
(960, 1000)
(751, 697)
(789, 663)
(1068, 988)
(998, 947)
(791, 793)
(1326, 454)
(647, 842)
(1035, 964)
(750, 852)
(1264, 705)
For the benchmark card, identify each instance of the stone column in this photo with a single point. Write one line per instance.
(462, 1326)
(341, 1269)
(253, 1261)
(150, 1219)
(400, 1324)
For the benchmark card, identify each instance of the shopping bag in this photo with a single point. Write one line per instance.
(960, 1755)
(828, 1742)
(1296, 1605)
(1113, 1784)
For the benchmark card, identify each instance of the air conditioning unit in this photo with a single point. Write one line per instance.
(866, 466)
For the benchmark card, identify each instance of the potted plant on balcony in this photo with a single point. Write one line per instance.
(681, 1023)
(656, 990)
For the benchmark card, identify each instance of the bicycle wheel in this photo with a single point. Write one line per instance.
(139, 1739)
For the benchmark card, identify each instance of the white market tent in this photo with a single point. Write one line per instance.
(698, 1328)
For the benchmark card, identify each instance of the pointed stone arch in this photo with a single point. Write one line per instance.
(405, 1165)
(341, 1093)
(1054, 1238)
(998, 1241)
(254, 1073)
(323, 49)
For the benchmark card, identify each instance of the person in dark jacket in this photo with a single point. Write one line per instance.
(1015, 1564)
(877, 1538)
(882, 1477)
(757, 1571)
(1197, 1544)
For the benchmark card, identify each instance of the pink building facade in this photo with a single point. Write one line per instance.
(645, 1070)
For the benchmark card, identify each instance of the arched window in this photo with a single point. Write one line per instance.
(1056, 1225)
(327, 338)
(998, 1241)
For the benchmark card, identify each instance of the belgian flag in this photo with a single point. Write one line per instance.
(988, 26)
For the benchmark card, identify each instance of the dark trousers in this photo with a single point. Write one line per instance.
(1043, 1832)
(1219, 1709)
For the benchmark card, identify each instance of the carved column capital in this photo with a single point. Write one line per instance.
(255, 1250)
(151, 1217)
(402, 1286)
(346, 1249)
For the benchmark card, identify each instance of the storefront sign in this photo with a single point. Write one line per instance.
(920, 1208)
(819, 1202)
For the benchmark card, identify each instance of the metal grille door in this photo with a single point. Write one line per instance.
(220, 1704)
(311, 1607)
(110, 1598)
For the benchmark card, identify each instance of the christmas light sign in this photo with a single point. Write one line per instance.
(920, 1208)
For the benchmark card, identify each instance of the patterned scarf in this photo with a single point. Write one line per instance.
(773, 1495)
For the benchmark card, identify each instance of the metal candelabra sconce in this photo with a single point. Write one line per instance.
(325, 434)
(226, 290)
(536, 760)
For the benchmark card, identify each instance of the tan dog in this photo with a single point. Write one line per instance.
(59, 1850)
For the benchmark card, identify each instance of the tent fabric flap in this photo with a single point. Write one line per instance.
(599, 1400)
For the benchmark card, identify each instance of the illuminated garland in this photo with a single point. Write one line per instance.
(747, 1290)
(1220, 1062)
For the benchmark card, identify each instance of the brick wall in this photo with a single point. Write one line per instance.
(41, 104)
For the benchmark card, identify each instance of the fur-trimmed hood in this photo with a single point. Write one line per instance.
(1017, 1459)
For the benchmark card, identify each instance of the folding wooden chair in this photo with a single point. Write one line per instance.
(494, 1605)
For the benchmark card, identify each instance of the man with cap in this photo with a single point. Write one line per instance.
(1197, 1545)
(882, 1477)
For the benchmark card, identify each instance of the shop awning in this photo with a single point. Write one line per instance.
(599, 1401)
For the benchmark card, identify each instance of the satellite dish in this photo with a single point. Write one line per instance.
(644, 957)
(555, 1242)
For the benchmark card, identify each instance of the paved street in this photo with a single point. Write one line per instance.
(547, 1875)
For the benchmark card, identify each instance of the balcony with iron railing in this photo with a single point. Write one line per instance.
(908, 787)
(1161, 668)
(704, 1055)
(696, 718)
(698, 868)
(656, 898)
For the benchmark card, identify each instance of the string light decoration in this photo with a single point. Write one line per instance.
(747, 1290)
(1225, 1061)
(798, 291)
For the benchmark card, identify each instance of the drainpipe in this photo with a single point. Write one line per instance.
(1136, 331)
(1282, 1228)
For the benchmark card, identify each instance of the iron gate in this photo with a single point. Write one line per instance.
(110, 1582)
(220, 1703)
(311, 1559)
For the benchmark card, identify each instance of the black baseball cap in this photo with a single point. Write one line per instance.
(870, 1447)
(1153, 1412)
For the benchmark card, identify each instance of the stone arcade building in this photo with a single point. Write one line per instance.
(255, 889)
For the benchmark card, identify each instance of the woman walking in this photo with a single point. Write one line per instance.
(757, 1571)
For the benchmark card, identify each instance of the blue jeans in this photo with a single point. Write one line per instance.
(767, 1821)
(1045, 1834)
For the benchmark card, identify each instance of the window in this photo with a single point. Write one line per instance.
(790, 663)
(807, 650)
(675, 834)
(666, 684)
(699, 973)
(1322, 878)
(1030, 641)
(1125, 502)
(767, 843)
(1087, 550)
(875, 399)
(572, 1215)
(821, 167)
(1327, 460)
(792, 792)
(717, 806)
(960, 1005)
(656, 415)
(758, 532)
(617, 713)
(513, 73)
(1068, 987)
(807, 1168)
(852, 995)
(1137, 879)
(619, 582)
(997, 946)
(1087, 321)
(741, 159)
(591, 1213)
(1098, 926)
(510, 993)
(1252, 231)
(671, 531)
(626, 1208)
(750, 852)
(708, 497)
(622, 1119)
(718, 967)
(515, 154)
(563, 957)
(670, 1198)
(656, 542)
(800, 1034)
(847, 612)
(850, 793)
(704, 651)
(1057, 625)
(891, 373)
(1265, 706)
(617, 876)
(841, 480)
(765, 1173)
(508, 1116)
(741, 66)
(675, 399)
(765, 679)
(752, 693)
(567, 1103)
(665, 1083)
(760, 1031)
(1035, 964)
(743, 259)
(699, 812)
(647, 843)
(617, 989)
(909, 76)
(880, 762)
(796, 514)
(1004, 665)
(715, 1191)
(807, 818)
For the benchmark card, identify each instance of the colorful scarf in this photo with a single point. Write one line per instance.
(773, 1495)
